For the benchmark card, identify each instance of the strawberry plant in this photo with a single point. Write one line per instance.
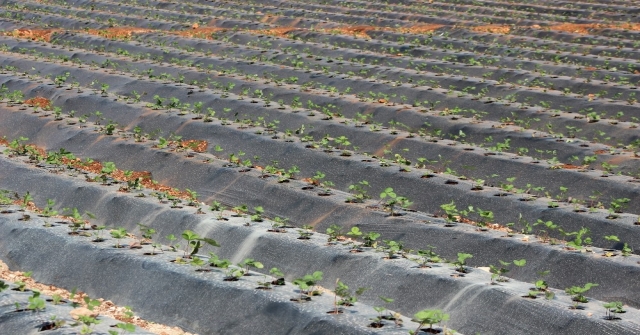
(306, 285)
(334, 232)
(347, 298)
(577, 293)
(461, 263)
(48, 211)
(195, 242)
(35, 302)
(107, 169)
(257, 217)
(497, 273)
(613, 308)
(278, 275)
(118, 234)
(359, 192)
(250, 263)
(394, 200)
(428, 317)
(427, 256)
(392, 248)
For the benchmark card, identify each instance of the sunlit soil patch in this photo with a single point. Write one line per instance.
(419, 29)
(195, 145)
(492, 28)
(40, 102)
(356, 31)
(118, 33)
(279, 32)
(199, 32)
(32, 34)
(576, 28)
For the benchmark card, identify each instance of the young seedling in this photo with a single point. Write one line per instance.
(497, 273)
(118, 234)
(48, 211)
(306, 285)
(317, 178)
(172, 238)
(3, 286)
(88, 324)
(451, 212)
(613, 308)
(35, 302)
(334, 232)
(197, 262)
(427, 256)
(359, 192)
(257, 217)
(486, 217)
(250, 263)
(370, 239)
(577, 294)
(124, 328)
(99, 231)
(580, 238)
(26, 200)
(217, 262)
(462, 262)
(278, 276)
(216, 206)
(626, 250)
(107, 169)
(392, 248)
(542, 286)
(347, 298)
(195, 242)
(305, 233)
(147, 233)
(77, 220)
(428, 317)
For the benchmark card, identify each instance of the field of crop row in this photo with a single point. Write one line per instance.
(324, 166)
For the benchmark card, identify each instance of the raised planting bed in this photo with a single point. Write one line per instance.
(478, 160)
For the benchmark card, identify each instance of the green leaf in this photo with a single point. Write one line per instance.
(189, 235)
(431, 316)
(520, 262)
(210, 241)
(128, 327)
